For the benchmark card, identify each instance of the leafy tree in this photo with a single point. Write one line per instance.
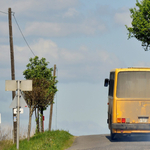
(44, 88)
(141, 23)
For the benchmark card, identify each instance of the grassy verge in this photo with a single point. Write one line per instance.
(49, 140)
(5, 144)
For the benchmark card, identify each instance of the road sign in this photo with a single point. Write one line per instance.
(22, 102)
(25, 85)
(10, 85)
(20, 110)
(19, 85)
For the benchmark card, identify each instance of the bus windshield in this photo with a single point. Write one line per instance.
(133, 84)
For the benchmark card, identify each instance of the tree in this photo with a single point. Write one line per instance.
(141, 23)
(44, 87)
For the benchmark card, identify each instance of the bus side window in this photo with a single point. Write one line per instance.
(111, 84)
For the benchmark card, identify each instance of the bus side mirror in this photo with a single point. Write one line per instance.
(106, 82)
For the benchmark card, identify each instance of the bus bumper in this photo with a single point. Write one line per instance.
(133, 126)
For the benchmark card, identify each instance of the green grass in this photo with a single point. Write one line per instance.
(49, 140)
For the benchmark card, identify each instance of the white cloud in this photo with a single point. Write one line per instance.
(46, 29)
(71, 57)
(92, 26)
(142, 64)
(83, 48)
(36, 5)
(51, 29)
(86, 66)
(74, 65)
(57, 18)
(3, 29)
(4, 54)
(123, 17)
(46, 47)
(71, 13)
(61, 4)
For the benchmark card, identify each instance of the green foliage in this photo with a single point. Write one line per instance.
(38, 69)
(140, 23)
(44, 84)
(49, 140)
(42, 93)
(43, 87)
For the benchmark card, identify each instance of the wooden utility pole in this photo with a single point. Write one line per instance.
(51, 109)
(12, 71)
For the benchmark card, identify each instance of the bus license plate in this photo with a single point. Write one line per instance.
(143, 120)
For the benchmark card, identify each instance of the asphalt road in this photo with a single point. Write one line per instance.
(103, 142)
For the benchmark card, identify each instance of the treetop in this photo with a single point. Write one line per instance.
(37, 68)
(140, 23)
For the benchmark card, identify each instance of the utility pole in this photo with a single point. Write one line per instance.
(12, 71)
(51, 109)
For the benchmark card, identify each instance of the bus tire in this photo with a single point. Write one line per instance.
(112, 135)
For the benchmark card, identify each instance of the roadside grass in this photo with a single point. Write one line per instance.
(49, 140)
(5, 137)
(5, 144)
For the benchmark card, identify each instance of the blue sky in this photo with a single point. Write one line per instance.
(85, 39)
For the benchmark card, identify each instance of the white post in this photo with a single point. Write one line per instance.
(10, 85)
(18, 115)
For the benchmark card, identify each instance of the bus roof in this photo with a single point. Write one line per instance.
(131, 69)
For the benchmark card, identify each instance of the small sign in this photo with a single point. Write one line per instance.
(15, 118)
(20, 110)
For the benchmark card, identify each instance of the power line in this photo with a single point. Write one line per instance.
(19, 30)
(22, 34)
(3, 12)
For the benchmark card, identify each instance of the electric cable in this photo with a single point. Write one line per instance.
(13, 13)
(3, 12)
(22, 34)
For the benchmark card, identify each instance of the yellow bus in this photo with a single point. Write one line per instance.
(128, 101)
